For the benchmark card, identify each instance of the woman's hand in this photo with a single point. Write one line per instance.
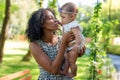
(68, 37)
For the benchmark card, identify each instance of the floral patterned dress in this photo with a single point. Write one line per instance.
(51, 51)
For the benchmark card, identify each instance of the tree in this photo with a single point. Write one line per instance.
(52, 5)
(40, 2)
(101, 34)
(3, 34)
(113, 10)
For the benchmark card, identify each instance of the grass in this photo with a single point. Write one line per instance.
(12, 63)
(14, 52)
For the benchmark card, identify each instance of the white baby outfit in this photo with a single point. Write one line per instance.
(69, 26)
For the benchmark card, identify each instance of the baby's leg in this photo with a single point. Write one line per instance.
(66, 68)
(72, 57)
(79, 49)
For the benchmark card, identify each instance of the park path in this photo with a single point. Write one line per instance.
(116, 62)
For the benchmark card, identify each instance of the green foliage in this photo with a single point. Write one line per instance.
(20, 12)
(113, 12)
(113, 15)
(2, 8)
(114, 49)
(116, 29)
(87, 30)
(84, 17)
(85, 13)
(100, 33)
(52, 3)
(14, 8)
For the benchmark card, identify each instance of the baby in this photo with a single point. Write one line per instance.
(68, 13)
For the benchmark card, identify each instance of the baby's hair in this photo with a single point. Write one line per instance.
(70, 8)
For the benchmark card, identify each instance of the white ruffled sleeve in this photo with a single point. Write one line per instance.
(75, 24)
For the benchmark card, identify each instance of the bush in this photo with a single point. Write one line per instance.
(114, 49)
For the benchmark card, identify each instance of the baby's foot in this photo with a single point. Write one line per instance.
(70, 75)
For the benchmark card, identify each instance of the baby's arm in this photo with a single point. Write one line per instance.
(76, 32)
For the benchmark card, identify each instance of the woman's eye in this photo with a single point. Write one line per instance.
(63, 17)
(50, 18)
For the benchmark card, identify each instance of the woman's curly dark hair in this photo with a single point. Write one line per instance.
(34, 29)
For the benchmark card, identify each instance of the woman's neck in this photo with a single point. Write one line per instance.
(48, 37)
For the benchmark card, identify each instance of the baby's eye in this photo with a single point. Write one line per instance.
(63, 17)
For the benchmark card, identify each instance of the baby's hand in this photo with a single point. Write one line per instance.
(59, 22)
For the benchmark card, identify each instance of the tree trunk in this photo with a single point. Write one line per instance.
(27, 56)
(3, 34)
(40, 2)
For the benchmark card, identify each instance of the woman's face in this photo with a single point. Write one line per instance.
(50, 23)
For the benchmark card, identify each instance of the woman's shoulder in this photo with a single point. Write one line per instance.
(32, 44)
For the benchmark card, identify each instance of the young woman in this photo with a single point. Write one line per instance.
(46, 47)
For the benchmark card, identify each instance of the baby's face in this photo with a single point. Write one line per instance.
(65, 18)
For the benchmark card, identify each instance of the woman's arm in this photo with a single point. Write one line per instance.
(43, 60)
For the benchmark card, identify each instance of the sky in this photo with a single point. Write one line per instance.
(77, 2)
